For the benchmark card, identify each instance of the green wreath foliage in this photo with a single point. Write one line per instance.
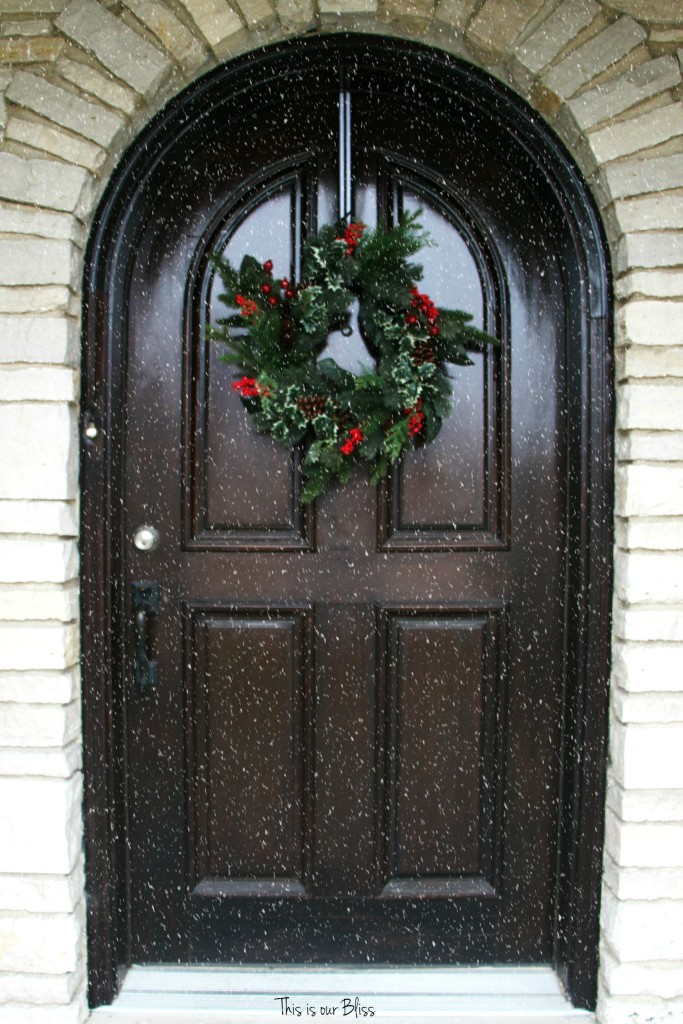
(277, 331)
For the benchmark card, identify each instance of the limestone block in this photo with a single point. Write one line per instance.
(594, 57)
(643, 931)
(652, 323)
(37, 299)
(625, 137)
(654, 283)
(121, 50)
(29, 383)
(296, 15)
(256, 13)
(46, 762)
(42, 182)
(652, 534)
(39, 559)
(650, 407)
(37, 261)
(34, 27)
(647, 708)
(39, 725)
(75, 1012)
(40, 687)
(642, 805)
(643, 883)
(347, 6)
(39, 989)
(662, 12)
(27, 646)
(648, 979)
(619, 94)
(650, 249)
(641, 668)
(647, 624)
(650, 445)
(169, 30)
(648, 757)
(649, 577)
(40, 943)
(41, 828)
(215, 19)
(650, 212)
(38, 339)
(30, 51)
(24, 602)
(454, 12)
(637, 361)
(649, 490)
(48, 894)
(497, 23)
(53, 518)
(635, 177)
(52, 140)
(644, 845)
(31, 6)
(101, 86)
(29, 220)
(64, 108)
(551, 37)
(38, 454)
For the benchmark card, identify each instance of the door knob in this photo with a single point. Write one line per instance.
(145, 603)
(146, 538)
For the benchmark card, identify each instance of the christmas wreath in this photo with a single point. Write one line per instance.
(278, 330)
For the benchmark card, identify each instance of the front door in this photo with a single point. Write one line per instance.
(351, 752)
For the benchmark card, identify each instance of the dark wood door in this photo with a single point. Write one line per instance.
(351, 753)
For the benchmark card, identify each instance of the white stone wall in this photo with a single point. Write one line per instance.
(78, 79)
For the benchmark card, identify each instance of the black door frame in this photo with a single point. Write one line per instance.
(589, 489)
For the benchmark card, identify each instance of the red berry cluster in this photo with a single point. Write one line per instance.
(423, 304)
(416, 418)
(354, 438)
(248, 387)
(248, 306)
(352, 236)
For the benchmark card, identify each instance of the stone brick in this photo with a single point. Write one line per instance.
(37, 261)
(34, 27)
(101, 86)
(40, 687)
(75, 1012)
(637, 666)
(654, 283)
(650, 407)
(498, 23)
(31, 6)
(649, 212)
(38, 299)
(39, 560)
(645, 805)
(41, 828)
(650, 249)
(121, 50)
(78, 115)
(636, 361)
(49, 989)
(38, 383)
(16, 219)
(43, 182)
(40, 943)
(652, 323)
(28, 646)
(619, 94)
(24, 602)
(38, 454)
(169, 30)
(594, 57)
(38, 339)
(643, 883)
(644, 931)
(650, 534)
(296, 15)
(625, 137)
(649, 490)
(553, 34)
(215, 19)
(644, 845)
(649, 624)
(45, 762)
(650, 709)
(454, 12)
(53, 518)
(256, 13)
(39, 725)
(664, 980)
(659, 11)
(52, 140)
(650, 577)
(30, 51)
(650, 445)
(635, 177)
(338, 7)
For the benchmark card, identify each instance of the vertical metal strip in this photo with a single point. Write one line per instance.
(345, 191)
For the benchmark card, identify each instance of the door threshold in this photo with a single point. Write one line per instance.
(393, 995)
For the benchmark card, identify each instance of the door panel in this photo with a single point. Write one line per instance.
(352, 750)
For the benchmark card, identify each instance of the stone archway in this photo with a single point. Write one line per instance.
(68, 122)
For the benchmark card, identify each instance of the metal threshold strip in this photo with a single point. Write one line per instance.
(392, 995)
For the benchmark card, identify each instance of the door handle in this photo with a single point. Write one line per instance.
(146, 598)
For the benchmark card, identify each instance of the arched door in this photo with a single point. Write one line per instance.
(353, 750)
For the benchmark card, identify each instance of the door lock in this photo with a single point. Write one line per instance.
(146, 538)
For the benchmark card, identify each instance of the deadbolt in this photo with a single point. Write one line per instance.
(146, 538)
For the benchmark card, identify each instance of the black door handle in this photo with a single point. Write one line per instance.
(145, 604)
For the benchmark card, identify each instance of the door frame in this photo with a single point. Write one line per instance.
(589, 502)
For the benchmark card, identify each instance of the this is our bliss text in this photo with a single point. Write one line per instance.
(346, 1007)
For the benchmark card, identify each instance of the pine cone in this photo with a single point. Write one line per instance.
(423, 353)
(312, 405)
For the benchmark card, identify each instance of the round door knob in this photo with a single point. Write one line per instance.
(146, 538)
